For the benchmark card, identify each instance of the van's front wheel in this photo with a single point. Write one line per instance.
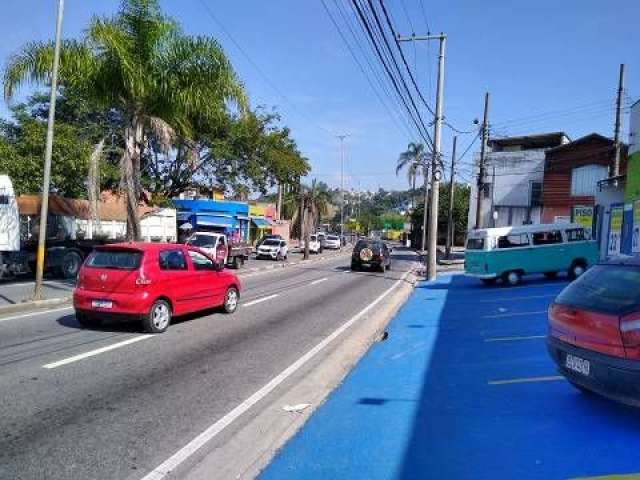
(512, 278)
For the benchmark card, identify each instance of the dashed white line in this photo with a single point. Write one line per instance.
(514, 314)
(260, 300)
(166, 467)
(97, 351)
(513, 339)
(320, 280)
(31, 314)
(553, 378)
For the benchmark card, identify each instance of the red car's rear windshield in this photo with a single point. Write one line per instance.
(115, 259)
(612, 289)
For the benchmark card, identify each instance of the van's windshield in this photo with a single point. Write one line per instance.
(202, 241)
(475, 244)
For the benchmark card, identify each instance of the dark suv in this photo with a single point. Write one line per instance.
(371, 254)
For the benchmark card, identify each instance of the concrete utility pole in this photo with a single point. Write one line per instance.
(44, 208)
(450, 226)
(425, 209)
(436, 172)
(483, 151)
(342, 137)
(618, 127)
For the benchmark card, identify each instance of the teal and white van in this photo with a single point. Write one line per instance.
(508, 253)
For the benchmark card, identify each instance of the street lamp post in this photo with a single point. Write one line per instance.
(342, 137)
(44, 208)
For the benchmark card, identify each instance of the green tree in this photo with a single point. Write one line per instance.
(140, 63)
(22, 146)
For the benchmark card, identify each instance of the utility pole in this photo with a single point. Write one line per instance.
(437, 156)
(44, 208)
(425, 212)
(450, 226)
(279, 202)
(483, 152)
(342, 137)
(618, 127)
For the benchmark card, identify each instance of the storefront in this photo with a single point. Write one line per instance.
(230, 218)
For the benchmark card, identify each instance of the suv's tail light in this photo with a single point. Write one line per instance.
(630, 330)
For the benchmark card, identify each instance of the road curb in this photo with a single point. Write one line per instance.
(34, 305)
(248, 451)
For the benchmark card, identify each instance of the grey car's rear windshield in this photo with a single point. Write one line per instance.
(612, 289)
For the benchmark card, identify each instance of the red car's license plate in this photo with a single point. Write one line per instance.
(101, 304)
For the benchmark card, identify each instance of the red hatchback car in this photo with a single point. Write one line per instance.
(594, 330)
(152, 282)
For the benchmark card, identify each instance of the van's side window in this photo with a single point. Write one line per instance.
(577, 234)
(547, 238)
(513, 241)
(172, 260)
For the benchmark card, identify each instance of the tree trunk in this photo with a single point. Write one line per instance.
(130, 171)
(93, 188)
(307, 231)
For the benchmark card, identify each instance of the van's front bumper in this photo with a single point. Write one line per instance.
(612, 377)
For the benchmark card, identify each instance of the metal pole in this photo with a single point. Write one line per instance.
(618, 127)
(493, 198)
(483, 150)
(435, 166)
(44, 208)
(450, 228)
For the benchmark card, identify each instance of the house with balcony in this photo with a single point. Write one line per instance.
(512, 184)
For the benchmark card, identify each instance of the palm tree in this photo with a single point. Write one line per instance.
(140, 63)
(414, 159)
(312, 204)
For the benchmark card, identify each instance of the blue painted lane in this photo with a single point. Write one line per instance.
(421, 404)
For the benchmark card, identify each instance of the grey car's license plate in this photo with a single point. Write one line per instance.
(577, 364)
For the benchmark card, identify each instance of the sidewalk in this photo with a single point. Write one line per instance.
(463, 388)
(367, 428)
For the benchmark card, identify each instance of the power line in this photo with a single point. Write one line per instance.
(416, 118)
(267, 80)
(404, 60)
(424, 16)
(359, 64)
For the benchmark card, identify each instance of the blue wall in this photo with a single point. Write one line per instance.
(235, 213)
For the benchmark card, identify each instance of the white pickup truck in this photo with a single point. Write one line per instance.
(237, 253)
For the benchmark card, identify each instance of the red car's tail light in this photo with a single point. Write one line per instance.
(630, 329)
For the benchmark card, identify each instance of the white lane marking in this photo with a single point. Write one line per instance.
(553, 378)
(260, 300)
(514, 314)
(166, 467)
(31, 284)
(320, 280)
(510, 299)
(513, 339)
(31, 314)
(98, 351)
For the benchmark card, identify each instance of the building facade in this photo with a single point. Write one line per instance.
(514, 173)
(572, 174)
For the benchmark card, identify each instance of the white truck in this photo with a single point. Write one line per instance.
(70, 236)
(237, 253)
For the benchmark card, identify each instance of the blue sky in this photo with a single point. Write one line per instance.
(550, 65)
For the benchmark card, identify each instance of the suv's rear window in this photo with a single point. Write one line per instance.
(115, 259)
(612, 289)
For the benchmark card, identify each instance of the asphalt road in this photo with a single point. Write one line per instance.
(21, 289)
(121, 412)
